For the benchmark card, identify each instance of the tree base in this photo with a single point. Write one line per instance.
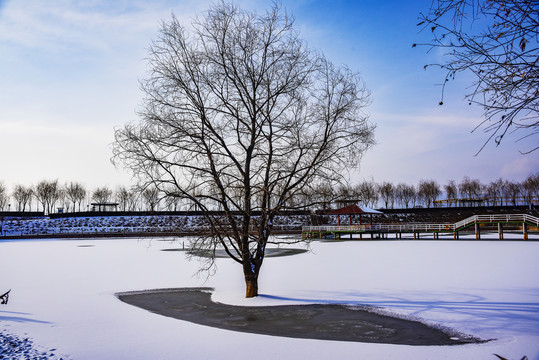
(251, 288)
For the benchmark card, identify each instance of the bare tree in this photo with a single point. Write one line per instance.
(323, 196)
(428, 191)
(512, 191)
(470, 188)
(530, 187)
(150, 196)
(22, 196)
(318, 197)
(47, 192)
(3, 196)
(75, 193)
(451, 191)
(368, 193)
(172, 203)
(126, 198)
(495, 191)
(241, 115)
(387, 193)
(406, 195)
(498, 42)
(345, 192)
(102, 195)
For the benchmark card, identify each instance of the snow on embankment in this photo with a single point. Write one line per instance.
(124, 225)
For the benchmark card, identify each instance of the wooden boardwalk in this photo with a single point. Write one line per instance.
(473, 223)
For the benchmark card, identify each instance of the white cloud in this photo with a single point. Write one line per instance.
(69, 72)
(50, 25)
(439, 146)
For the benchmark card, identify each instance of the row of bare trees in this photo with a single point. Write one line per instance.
(47, 195)
(428, 193)
(498, 192)
(386, 194)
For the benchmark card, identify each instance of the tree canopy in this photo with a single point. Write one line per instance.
(498, 42)
(240, 115)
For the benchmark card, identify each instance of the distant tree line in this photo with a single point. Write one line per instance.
(429, 193)
(49, 195)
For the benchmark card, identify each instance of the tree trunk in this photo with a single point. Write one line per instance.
(251, 285)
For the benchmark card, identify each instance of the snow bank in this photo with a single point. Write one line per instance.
(63, 297)
(125, 224)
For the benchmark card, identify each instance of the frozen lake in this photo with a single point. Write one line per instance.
(63, 296)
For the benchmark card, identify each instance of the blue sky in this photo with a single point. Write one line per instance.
(69, 75)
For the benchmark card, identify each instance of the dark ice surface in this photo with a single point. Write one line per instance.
(313, 321)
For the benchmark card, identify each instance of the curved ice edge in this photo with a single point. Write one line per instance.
(455, 334)
(462, 338)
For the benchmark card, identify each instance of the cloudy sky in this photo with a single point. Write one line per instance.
(69, 73)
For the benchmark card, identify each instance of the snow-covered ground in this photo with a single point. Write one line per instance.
(123, 224)
(63, 297)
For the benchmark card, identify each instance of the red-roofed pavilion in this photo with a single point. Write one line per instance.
(353, 209)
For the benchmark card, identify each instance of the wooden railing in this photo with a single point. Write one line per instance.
(421, 227)
(509, 218)
(415, 227)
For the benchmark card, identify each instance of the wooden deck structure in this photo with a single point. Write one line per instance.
(473, 223)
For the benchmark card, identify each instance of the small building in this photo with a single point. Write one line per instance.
(353, 210)
(104, 207)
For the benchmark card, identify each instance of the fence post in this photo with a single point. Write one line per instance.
(477, 231)
(500, 231)
(525, 230)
